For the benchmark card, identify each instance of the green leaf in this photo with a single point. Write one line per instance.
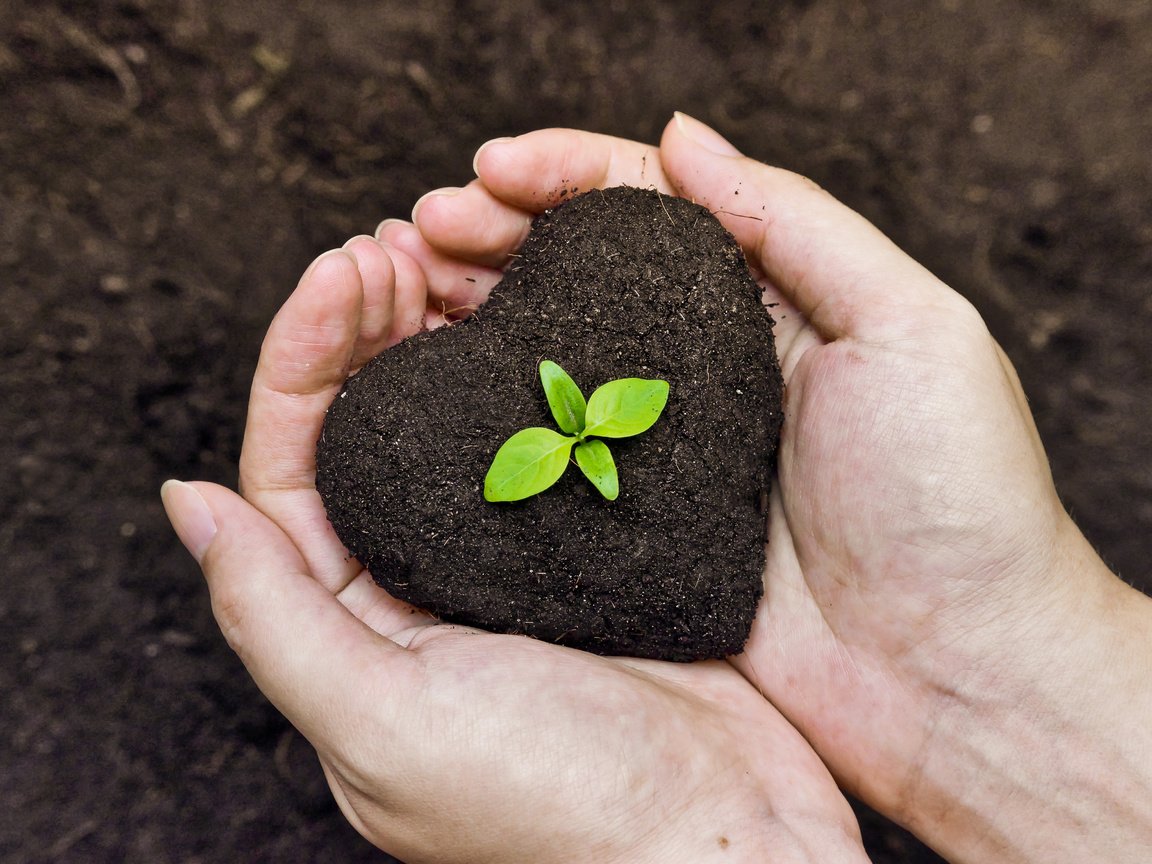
(625, 407)
(564, 397)
(526, 464)
(595, 460)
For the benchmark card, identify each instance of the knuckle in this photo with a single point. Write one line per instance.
(232, 617)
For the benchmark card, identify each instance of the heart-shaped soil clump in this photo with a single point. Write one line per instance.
(611, 284)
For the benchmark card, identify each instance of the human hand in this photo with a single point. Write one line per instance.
(444, 743)
(929, 605)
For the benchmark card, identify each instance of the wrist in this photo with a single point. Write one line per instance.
(1044, 752)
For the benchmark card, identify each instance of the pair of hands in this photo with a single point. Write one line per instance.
(920, 576)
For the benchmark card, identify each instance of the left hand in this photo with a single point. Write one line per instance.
(445, 743)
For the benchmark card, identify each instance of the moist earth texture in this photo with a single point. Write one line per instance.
(611, 284)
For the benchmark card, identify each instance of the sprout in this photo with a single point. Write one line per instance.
(533, 459)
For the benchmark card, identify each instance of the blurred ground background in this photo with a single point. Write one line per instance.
(169, 167)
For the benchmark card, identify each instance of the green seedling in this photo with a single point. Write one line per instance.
(533, 459)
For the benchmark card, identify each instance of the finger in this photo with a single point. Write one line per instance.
(378, 278)
(455, 287)
(840, 271)
(792, 333)
(471, 224)
(540, 169)
(320, 665)
(303, 363)
(411, 295)
(380, 610)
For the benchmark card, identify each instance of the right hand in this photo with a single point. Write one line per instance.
(931, 612)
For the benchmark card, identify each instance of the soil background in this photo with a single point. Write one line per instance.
(169, 167)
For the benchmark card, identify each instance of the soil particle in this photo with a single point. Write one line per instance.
(615, 283)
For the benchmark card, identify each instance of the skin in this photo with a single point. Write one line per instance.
(935, 629)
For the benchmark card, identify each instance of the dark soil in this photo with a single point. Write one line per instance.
(612, 284)
(169, 168)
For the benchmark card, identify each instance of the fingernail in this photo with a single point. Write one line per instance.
(347, 247)
(325, 256)
(705, 136)
(485, 146)
(190, 516)
(445, 192)
(383, 226)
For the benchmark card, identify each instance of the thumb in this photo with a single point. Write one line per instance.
(316, 662)
(837, 268)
